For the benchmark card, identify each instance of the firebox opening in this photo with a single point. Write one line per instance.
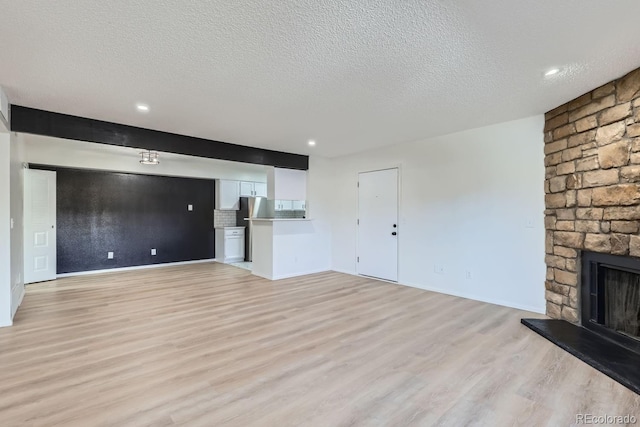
(622, 301)
(610, 295)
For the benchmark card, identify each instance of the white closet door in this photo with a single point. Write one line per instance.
(39, 225)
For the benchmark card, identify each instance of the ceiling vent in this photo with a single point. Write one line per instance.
(4, 107)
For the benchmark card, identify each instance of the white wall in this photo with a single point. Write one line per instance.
(79, 154)
(4, 110)
(17, 239)
(319, 205)
(5, 229)
(465, 200)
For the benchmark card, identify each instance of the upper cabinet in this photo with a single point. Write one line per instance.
(299, 205)
(227, 194)
(260, 189)
(286, 184)
(283, 205)
(253, 189)
(246, 189)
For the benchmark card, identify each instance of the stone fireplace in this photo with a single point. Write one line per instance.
(592, 187)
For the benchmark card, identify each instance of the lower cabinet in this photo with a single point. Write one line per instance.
(230, 244)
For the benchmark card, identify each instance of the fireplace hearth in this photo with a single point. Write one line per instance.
(609, 335)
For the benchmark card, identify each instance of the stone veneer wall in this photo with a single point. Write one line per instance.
(592, 185)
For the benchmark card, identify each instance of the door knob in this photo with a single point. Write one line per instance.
(394, 233)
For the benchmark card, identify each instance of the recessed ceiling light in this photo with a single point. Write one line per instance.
(551, 72)
(311, 142)
(142, 108)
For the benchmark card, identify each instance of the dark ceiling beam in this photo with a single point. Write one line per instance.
(47, 123)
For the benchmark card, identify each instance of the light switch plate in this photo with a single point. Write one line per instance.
(190, 207)
(153, 251)
(109, 255)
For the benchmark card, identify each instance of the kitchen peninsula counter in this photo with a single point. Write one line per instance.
(283, 247)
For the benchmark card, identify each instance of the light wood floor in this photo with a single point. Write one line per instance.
(211, 345)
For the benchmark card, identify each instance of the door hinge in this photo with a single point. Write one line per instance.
(358, 220)
(358, 184)
(357, 259)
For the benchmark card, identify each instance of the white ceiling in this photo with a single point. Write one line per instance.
(351, 74)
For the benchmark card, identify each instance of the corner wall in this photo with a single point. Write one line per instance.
(17, 239)
(5, 229)
(319, 197)
(471, 201)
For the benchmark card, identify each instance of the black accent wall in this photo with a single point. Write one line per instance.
(48, 123)
(130, 214)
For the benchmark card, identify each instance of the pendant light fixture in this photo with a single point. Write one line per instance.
(149, 157)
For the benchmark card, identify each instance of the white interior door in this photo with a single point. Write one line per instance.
(378, 224)
(39, 225)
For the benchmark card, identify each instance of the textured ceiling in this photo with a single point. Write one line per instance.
(351, 74)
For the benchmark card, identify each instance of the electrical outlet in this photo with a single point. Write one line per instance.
(438, 269)
(190, 207)
(529, 223)
(153, 251)
(109, 255)
(468, 275)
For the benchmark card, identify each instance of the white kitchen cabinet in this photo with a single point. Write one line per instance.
(290, 205)
(286, 184)
(260, 189)
(283, 205)
(246, 189)
(227, 194)
(230, 244)
(253, 189)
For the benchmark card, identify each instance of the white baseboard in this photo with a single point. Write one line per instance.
(306, 273)
(288, 276)
(350, 273)
(531, 308)
(136, 267)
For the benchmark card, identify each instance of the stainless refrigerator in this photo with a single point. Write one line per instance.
(250, 207)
